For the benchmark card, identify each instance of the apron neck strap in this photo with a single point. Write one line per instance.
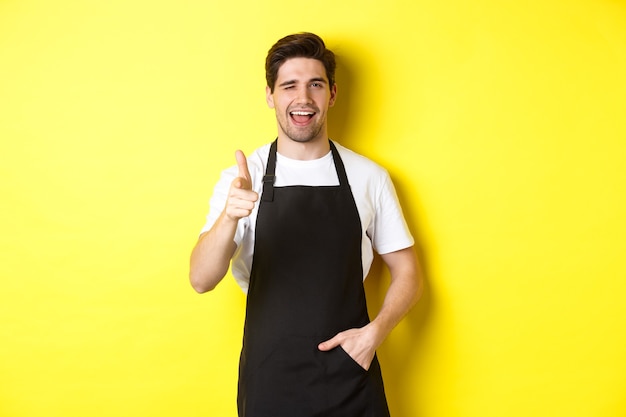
(339, 167)
(270, 171)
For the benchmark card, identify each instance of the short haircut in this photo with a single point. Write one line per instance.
(299, 45)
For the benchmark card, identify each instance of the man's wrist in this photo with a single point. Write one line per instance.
(379, 331)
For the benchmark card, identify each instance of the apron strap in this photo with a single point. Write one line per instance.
(339, 167)
(270, 177)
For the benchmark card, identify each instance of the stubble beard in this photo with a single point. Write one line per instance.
(301, 135)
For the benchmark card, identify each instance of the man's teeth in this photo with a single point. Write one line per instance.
(302, 113)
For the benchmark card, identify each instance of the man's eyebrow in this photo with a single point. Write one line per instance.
(286, 83)
(292, 82)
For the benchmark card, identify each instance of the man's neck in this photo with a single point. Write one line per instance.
(304, 151)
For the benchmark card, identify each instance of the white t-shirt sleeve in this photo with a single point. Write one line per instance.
(389, 231)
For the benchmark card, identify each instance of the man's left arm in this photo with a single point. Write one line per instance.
(404, 290)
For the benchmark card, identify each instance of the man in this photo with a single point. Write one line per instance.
(300, 218)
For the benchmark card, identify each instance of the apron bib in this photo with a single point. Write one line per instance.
(306, 286)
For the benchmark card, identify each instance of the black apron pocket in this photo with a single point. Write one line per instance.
(346, 383)
(349, 359)
(352, 390)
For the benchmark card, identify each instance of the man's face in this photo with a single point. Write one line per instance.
(301, 99)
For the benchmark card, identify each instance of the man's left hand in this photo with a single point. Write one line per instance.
(360, 344)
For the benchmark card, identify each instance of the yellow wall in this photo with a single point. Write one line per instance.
(502, 124)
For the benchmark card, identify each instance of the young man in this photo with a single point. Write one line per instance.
(300, 219)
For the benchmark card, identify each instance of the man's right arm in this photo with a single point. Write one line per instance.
(211, 256)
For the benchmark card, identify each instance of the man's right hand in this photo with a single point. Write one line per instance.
(211, 256)
(241, 198)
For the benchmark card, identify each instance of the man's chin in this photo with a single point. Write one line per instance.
(302, 135)
(301, 139)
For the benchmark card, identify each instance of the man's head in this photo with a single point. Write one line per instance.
(300, 45)
(301, 88)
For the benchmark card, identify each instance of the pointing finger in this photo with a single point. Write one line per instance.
(242, 164)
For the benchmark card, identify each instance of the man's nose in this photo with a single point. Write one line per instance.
(303, 96)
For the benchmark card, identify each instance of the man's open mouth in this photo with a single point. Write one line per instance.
(301, 116)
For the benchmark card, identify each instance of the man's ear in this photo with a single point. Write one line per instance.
(269, 97)
(333, 95)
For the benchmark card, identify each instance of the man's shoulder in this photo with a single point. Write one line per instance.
(261, 153)
(356, 162)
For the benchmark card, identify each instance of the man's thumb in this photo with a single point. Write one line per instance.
(329, 344)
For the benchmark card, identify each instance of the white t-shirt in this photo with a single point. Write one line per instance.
(383, 225)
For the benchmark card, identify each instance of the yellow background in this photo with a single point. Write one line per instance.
(502, 124)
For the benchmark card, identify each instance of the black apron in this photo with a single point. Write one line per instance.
(306, 286)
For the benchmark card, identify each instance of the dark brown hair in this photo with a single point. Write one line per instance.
(299, 45)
